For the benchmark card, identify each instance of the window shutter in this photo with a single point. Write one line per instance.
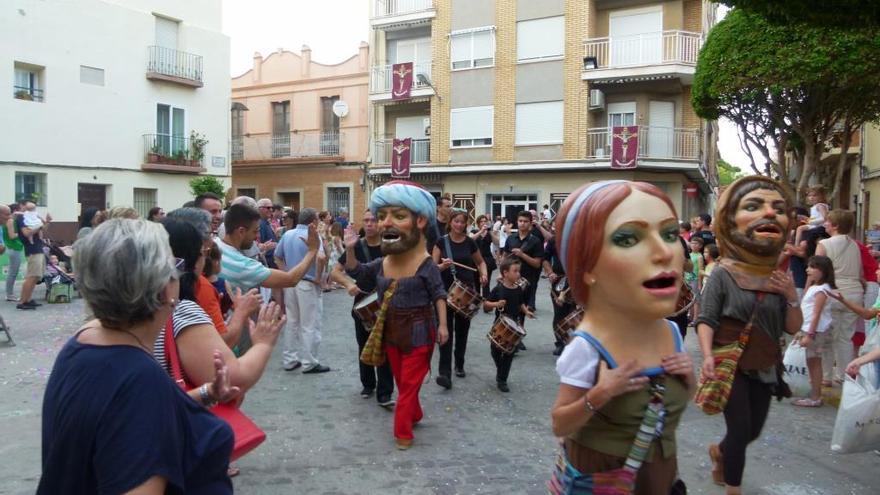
(472, 123)
(540, 38)
(539, 123)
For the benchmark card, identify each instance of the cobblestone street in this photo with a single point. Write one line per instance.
(323, 438)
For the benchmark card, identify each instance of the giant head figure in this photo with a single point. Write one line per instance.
(403, 210)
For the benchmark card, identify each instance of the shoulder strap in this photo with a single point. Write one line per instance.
(676, 335)
(599, 347)
(449, 253)
(365, 250)
(172, 357)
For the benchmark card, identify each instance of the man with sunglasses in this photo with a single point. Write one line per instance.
(267, 233)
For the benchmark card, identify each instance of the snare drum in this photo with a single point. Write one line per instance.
(506, 334)
(564, 328)
(463, 299)
(367, 310)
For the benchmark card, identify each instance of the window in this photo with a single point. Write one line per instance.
(91, 75)
(473, 48)
(280, 129)
(540, 38)
(166, 32)
(170, 130)
(337, 199)
(539, 123)
(144, 199)
(30, 186)
(28, 83)
(329, 145)
(237, 150)
(250, 192)
(472, 127)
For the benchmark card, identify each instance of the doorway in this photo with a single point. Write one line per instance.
(509, 205)
(289, 199)
(91, 196)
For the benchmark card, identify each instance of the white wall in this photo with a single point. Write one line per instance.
(99, 127)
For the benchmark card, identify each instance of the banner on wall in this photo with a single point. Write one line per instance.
(401, 81)
(624, 146)
(400, 154)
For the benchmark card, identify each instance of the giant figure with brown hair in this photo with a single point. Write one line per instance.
(746, 290)
(625, 376)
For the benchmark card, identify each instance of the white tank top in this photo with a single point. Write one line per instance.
(847, 260)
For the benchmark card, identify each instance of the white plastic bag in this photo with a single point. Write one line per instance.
(796, 374)
(857, 427)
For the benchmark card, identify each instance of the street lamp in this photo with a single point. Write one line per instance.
(425, 80)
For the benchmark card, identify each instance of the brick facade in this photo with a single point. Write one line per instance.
(693, 14)
(577, 18)
(505, 80)
(440, 73)
(689, 119)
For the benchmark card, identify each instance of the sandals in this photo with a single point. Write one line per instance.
(807, 402)
(717, 464)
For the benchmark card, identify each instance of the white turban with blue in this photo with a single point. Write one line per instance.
(408, 195)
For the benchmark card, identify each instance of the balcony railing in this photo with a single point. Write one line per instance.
(381, 77)
(27, 93)
(419, 153)
(168, 149)
(175, 64)
(387, 8)
(666, 47)
(296, 144)
(654, 142)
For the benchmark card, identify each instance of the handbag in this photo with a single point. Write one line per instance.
(247, 434)
(567, 480)
(712, 393)
(374, 352)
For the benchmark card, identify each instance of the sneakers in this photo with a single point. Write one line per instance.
(807, 402)
(459, 372)
(502, 386)
(24, 306)
(387, 402)
(292, 366)
(521, 347)
(11, 298)
(366, 393)
(318, 368)
(444, 381)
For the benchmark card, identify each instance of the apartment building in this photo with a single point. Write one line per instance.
(111, 102)
(513, 103)
(300, 131)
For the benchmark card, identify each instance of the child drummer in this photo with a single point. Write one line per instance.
(508, 299)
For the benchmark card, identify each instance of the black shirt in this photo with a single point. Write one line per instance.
(462, 253)
(531, 246)
(514, 299)
(551, 255)
(364, 253)
(433, 233)
(35, 247)
(485, 246)
(705, 235)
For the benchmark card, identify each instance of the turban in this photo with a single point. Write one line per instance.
(409, 195)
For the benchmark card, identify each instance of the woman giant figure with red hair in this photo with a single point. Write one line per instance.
(625, 376)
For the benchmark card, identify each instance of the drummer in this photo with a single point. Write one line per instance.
(563, 303)
(456, 248)
(509, 299)
(369, 247)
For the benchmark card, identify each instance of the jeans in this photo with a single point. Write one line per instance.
(302, 332)
(14, 266)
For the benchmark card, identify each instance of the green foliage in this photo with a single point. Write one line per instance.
(842, 13)
(206, 183)
(197, 145)
(728, 173)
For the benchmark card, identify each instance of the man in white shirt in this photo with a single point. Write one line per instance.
(547, 214)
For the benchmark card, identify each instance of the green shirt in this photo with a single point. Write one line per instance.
(14, 244)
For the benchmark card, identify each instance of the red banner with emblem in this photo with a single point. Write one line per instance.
(401, 80)
(400, 153)
(624, 146)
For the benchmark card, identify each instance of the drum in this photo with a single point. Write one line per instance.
(685, 300)
(506, 334)
(368, 309)
(463, 299)
(564, 328)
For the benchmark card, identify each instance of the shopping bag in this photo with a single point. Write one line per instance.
(795, 372)
(857, 427)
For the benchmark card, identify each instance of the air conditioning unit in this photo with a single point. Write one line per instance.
(426, 125)
(597, 100)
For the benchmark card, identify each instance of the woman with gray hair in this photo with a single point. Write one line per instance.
(107, 394)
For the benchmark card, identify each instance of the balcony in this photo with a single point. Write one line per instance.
(168, 64)
(300, 145)
(419, 153)
(664, 143)
(381, 80)
(666, 54)
(173, 154)
(27, 93)
(401, 14)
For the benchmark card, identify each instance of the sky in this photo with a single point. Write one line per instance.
(333, 29)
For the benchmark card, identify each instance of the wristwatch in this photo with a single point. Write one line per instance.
(793, 304)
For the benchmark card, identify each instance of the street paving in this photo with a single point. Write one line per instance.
(323, 438)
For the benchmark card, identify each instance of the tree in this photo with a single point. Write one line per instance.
(788, 88)
(840, 13)
(728, 173)
(206, 183)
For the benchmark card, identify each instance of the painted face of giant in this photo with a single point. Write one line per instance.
(399, 229)
(761, 222)
(640, 264)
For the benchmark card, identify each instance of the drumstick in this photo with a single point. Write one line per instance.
(465, 266)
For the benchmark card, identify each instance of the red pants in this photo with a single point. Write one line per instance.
(409, 372)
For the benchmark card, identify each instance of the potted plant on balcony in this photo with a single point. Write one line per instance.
(23, 94)
(155, 154)
(181, 156)
(197, 148)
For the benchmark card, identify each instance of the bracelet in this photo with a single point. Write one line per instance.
(590, 407)
(206, 398)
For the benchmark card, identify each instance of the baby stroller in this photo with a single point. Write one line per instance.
(60, 286)
(5, 329)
